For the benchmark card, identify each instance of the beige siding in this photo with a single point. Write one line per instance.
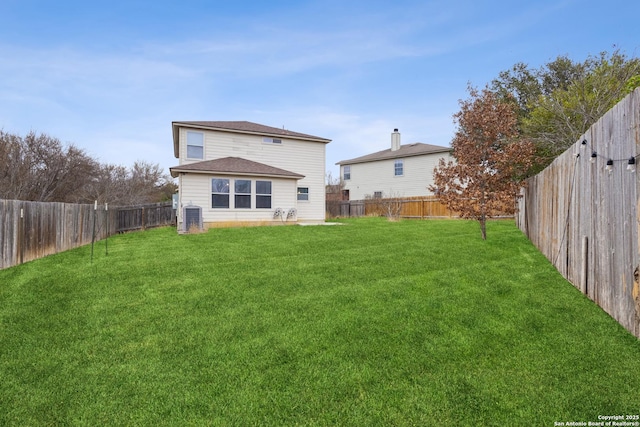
(367, 178)
(196, 191)
(303, 157)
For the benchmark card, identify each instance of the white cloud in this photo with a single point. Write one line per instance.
(303, 67)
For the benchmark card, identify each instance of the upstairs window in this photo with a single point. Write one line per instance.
(195, 145)
(303, 193)
(263, 194)
(346, 172)
(219, 193)
(271, 141)
(242, 194)
(399, 168)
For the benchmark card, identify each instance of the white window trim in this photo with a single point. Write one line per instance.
(344, 172)
(270, 194)
(298, 194)
(187, 145)
(229, 194)
(250, 194)
(232, 194)
(395, 168)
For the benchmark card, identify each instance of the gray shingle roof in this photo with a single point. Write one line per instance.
(245, 126)
(234, 166)
(407, 150)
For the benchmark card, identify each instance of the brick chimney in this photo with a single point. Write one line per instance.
(395, 140)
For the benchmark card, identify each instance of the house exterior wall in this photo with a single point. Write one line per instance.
(379, 176)
(196, 190)
(299, 156)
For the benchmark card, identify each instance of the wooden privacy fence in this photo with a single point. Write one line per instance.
(583, 214)
(411, 207)
(140, 217)
(32, 230)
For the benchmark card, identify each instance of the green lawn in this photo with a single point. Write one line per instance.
(368, 323)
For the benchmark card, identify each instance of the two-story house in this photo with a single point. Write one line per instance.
(400, 171)
(243, 172)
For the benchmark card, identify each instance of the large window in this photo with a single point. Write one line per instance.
(399, 168)
(241, 191)
(219, 193)
(195, 145)
(346, 172)
(263, 194)
(243, 194)
(303, 193)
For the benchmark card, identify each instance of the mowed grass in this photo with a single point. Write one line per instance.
(367, 323)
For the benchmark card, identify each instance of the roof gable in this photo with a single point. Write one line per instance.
(234, 166)
(407, 150)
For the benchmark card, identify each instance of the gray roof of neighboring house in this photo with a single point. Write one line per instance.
(407, 150)
(234, 166)
(240, 127)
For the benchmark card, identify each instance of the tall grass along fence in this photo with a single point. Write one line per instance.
(32, 230)
(410, 207)
(582, 213)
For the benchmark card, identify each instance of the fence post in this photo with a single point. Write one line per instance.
(143, 218)
(21, 236)
(93, 230)
(106, 239)
(585, 264)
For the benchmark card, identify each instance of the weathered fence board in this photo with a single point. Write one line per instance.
(584, 218)
(147, 216)
(32, 230)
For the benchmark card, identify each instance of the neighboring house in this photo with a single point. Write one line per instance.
(401, 171)
(243, 172)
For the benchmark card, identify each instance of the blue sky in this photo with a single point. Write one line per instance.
(111, 76)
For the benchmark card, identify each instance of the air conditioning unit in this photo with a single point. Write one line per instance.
(192, 218)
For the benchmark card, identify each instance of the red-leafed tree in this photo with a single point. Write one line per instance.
(491, 161)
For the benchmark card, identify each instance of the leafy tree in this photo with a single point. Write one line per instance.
(519, 85)
(491, 160)
(560, 101)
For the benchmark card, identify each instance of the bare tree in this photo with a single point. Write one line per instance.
(143, 183)
(41, 168)
(108, 185)
(392, 204)
(334, 188)
(149, 183)
(13, 168)
(385, 204)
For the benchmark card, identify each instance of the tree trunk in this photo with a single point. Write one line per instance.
(483, 226)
